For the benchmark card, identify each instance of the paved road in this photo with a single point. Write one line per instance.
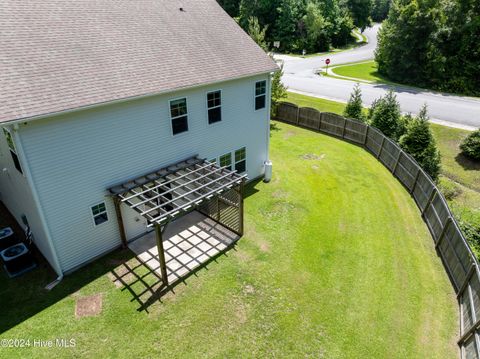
(299, 76)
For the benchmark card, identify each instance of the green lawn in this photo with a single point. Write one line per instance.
(460, 176)
(366, 71)
(456, 166)
(336, 262)
(313, 102)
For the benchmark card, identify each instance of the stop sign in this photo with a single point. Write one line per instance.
(327, 61)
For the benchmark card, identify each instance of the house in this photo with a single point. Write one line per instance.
(95, 93)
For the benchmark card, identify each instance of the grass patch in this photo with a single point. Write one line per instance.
(336, 262)
(454, 164)
(460, 175)
(357, 39)
(363, 71)
(317, 103)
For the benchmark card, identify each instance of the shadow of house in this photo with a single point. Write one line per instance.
(24, 297)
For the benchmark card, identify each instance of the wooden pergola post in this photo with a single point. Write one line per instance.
(242, 185)
(121, 227)
(161, 253)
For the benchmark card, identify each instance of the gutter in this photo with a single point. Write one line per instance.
(126, 99)
(36, 199)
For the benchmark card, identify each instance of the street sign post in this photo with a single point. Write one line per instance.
(327, 61)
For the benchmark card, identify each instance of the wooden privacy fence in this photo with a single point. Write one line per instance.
(457, 257)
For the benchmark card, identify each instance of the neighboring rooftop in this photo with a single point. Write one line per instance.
(63, 55)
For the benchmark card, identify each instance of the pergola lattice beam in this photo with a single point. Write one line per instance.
(170, 191)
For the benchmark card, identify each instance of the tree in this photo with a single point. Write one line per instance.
(286, 28)
(257, 33)
(355, 106)
(385, 115)
(360, 11)
(380, 10)
(420, 144)
(404, 40)
(232, 7)
(316, 28)
(471, 146)
(279, 91)
(433, 44)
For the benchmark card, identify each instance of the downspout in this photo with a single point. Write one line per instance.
(36, 199)
(268, 164)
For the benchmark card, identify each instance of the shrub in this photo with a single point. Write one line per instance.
(449, 189)
(418, 141)
(355, 106)
(471, 146)
(385, 115)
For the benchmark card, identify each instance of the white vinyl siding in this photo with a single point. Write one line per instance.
(75, 158)
(17, 196)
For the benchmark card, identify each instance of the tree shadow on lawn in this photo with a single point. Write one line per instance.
(466, 163)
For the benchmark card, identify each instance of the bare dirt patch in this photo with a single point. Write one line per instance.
(312, 157)
(88, 306)
(288, 134)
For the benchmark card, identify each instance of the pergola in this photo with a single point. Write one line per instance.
(170, 192)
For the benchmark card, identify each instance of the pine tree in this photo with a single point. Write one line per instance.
(420, 144)
(355, 105)
(279, 91)
(385, 115)
(257, 33)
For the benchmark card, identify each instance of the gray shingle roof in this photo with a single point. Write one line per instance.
(60, 55)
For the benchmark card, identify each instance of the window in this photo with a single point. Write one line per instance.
(13, 150)
(241, 160)
(99, 213)
(179, 116)
(260, 94)
(214, 105)
(226, 161)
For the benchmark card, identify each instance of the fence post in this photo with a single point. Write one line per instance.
(298, 115)
(398, 160)
(466, 281)
(430, 200)
(381, 147)
(320, 120)
(366, 136)
(344, 126)
(444, 230)
(416, 180)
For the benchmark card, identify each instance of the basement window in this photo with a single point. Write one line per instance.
(99, 213)
(214, 105)
(241, 160)
(13, 150)
(179, 115)
(260, 94)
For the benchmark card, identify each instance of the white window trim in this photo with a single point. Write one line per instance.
(93, 216)
(14, 150)
(231, 159)
(255, 95)
(245, 159)
(173, 118)
(209, 108)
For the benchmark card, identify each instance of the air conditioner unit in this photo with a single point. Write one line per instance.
(17, 260)
(7, 238)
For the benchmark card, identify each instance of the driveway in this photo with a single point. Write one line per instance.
(447, 109)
